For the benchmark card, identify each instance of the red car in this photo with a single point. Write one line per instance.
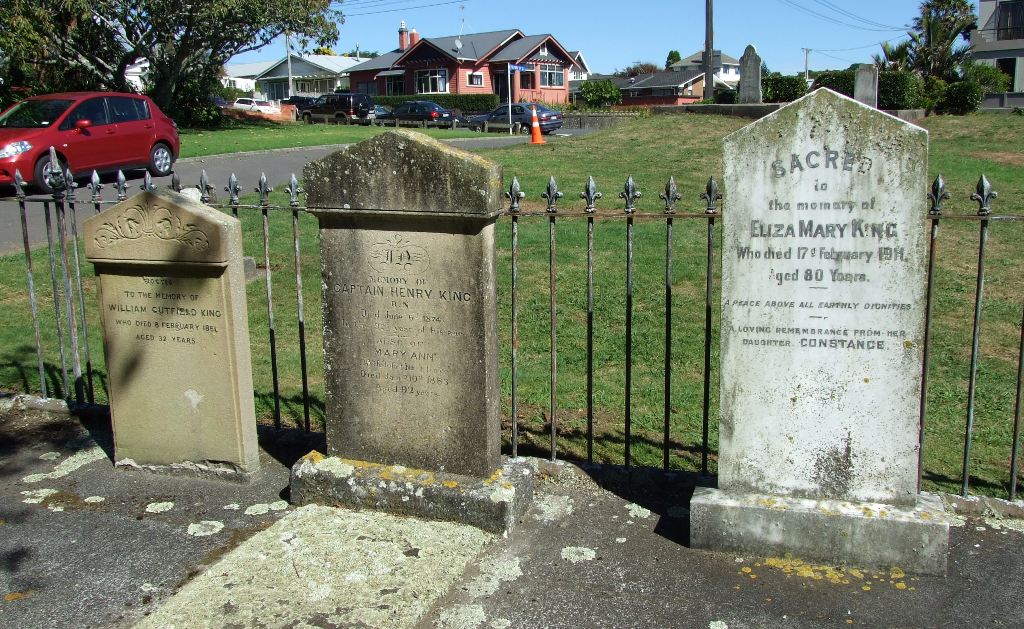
(100, 131)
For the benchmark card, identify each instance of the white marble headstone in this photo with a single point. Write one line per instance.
(823, 286)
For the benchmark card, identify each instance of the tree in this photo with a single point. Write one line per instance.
(640, 67)
(362, 54)
(324, 50)
(673, 57)
(933, 41)
(895, 57)
(185, 41)
(600, 93)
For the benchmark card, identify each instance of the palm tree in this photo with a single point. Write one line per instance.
(933, 43)
(895, 57)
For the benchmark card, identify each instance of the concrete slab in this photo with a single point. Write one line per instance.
(833, 531)
(326, 567)
(493, 504)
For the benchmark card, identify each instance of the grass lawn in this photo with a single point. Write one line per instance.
(687, 147)
(257, 136)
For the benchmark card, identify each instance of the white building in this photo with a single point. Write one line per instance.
(999, 40)
(726, 68)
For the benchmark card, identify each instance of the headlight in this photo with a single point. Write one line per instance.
(14, 148)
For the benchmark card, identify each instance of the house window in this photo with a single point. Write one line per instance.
(551, 76)
(432, 81)
(526, 80)
(475, 79)
(394, 85)
(543, 50)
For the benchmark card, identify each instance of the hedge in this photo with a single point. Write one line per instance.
(900, 90)
(776, 88)
(961, 98)
(836, 80)
(462, 102)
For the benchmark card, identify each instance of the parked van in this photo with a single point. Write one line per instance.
(340, 108)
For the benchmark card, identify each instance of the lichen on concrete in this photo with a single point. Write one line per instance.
(350, 569)
(69, 465)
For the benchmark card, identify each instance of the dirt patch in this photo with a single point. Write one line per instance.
(1007, 158)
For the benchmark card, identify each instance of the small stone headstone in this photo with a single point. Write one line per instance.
(865, 85)
(823, 289)
(410, 314)
(750, 76)
(175, 334)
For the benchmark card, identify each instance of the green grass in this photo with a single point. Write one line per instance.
(688, 148)
(272, 135)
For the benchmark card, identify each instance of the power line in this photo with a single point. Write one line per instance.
(833, 20)
(842, 11)
(835, 57)
(412, 8)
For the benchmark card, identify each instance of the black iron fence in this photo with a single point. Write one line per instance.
(76, 372)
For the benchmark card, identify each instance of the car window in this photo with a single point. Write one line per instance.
(500, 111)
(518, 110)
(244, 101)
(94, 110)
(124, 109)
(32, 114)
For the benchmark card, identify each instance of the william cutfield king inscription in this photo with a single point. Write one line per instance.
(822, 303)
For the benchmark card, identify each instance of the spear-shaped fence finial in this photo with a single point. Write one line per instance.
(293, 191)
(53, 175)
(984, 196)
(552, 195)
(590, 195)
(712, 196)
(19, 185)
(204, 187)
(630, 194)
(670, 196)
(515, 195)
(264, 190)
(233, 189)
(95, 186)
(147, 182)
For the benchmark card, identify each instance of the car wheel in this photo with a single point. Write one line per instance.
(39, 175)
(160, 160)
(342, 120)
(308, 119)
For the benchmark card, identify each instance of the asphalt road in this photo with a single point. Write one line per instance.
(278, 165)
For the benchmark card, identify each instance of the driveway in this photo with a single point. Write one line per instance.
(278, 165)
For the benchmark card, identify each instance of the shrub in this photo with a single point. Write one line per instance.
(836, 80)
(726, 97)
(1019, 111)
(961, 98)
(462, 102)
(600, 93)
(934, 93)
(991, 79)
(900, 90)
(776, 88)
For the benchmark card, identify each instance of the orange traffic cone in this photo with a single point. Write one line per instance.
(535, 135)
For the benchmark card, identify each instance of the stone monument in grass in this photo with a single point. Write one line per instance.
(410, 334)
(823, 289)
(865, 85)
(750, 77)
(175, 335)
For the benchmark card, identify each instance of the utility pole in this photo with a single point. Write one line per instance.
(709, 51)
(807, 64)
(288, 56)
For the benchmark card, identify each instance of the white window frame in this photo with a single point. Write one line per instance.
(469, 79)
(436, 80)
(546, 72)
(543, 50)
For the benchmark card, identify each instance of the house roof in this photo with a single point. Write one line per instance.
(657, 79)
(698, 59)
(475, 46)
(382, 62)
(520, 48)
(248, 70)
(335, 64)
(579, 61)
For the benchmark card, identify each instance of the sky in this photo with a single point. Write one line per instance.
(614, 35)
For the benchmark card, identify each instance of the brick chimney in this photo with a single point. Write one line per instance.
(403, 36)
(413, 37)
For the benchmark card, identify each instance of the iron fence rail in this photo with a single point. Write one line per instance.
(70, 322)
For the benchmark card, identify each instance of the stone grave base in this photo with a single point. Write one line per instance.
(915, 539)
(493, 504)
(201, 469)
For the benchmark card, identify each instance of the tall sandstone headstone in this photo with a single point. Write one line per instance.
(750, 77)
(175, 334)
(410, 303)
(823, 287)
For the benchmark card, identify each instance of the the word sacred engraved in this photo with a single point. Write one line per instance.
(404, 312)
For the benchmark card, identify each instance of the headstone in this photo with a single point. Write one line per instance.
(865, 85)
(410, 316)
(823, 289)
(750, 76)
(175, 334)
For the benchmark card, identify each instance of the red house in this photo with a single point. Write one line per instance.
(476, 63)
